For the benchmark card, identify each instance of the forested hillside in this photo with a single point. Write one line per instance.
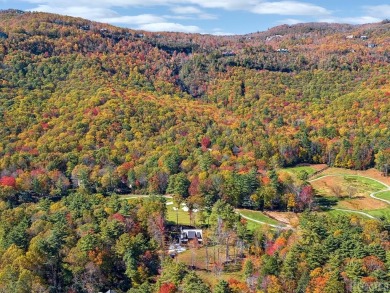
(84, 103)
(89, 111)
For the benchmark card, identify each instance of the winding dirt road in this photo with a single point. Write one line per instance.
(372, 195)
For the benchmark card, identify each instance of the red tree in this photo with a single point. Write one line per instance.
(306, 196)
(205, 142)
(167, 288)
(8, 181)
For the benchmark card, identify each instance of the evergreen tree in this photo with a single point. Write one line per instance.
(222, 287)
(248, 269)
(193, 284)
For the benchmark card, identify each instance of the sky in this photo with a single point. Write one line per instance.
(218, 17)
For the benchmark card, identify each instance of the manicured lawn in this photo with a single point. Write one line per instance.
(295, 170)
(384, 195)
(382, 213)
(336, 213)
(183, 216)
(258, 216)
(252, 226)
(363, 182)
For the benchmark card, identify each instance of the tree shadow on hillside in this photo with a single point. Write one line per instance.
(325, 202)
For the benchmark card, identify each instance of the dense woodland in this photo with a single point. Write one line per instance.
(90, 243)
(88, 110)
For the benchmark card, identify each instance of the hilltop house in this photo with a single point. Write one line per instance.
(228, 54)
(191, 234)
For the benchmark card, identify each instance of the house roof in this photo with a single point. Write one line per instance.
(191, 233)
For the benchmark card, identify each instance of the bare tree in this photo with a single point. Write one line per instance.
(351, 191)
(337, 190)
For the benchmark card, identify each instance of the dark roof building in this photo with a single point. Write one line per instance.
(191, 234)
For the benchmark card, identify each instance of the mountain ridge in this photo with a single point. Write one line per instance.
(79, 97)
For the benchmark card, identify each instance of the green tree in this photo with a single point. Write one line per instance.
(193, 284)
(382, 161)
(248, 268)
(178, 184)
(222, 287)
(270, 265)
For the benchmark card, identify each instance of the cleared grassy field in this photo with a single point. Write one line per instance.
(183, 216)
(258, 216)
(335, 213)
(383, 195)
(216, 254)
(294, 170)
(381, 213)
(252, 226)
(349, 191)
(364, 182)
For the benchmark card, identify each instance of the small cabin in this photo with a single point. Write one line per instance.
(191, 234)
(85, 27)
(228, 54)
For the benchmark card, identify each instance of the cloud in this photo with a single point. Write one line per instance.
(170, 27)
(379, 11)
(290, 8)
(372, 14)
(137, 19)
(101, 14)
(176, 15)
(191, 6)
(78, 11)
(221, 33)
(185, 10)
(290, 21)
(351, 20)
(191, 10)
(225, 4)
(147, 22)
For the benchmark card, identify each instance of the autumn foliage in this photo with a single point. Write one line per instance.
(7, 181)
